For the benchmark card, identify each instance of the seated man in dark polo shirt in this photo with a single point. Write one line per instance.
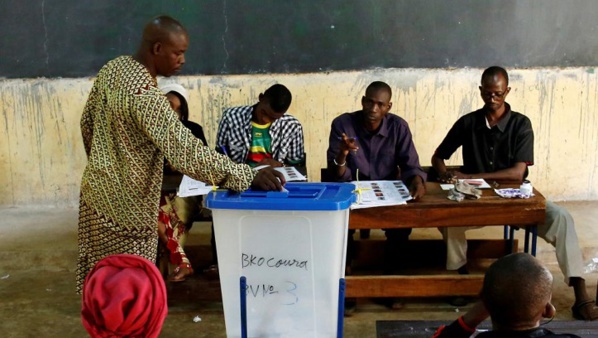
(380, 146)
(498, 144)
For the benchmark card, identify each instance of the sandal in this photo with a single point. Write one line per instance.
(180, 272)
(585, 310)
(211, 271)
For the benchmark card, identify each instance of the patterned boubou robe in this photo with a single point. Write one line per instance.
(128, 128)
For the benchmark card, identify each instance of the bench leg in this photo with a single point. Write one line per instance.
(526, 245)
(534, 239)
(533, 230)
(510, 238)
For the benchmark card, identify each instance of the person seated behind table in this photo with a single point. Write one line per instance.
(262, 133)
(377, 145)
(498, 144)
(176, 213)
(124, 296)
(516, 294)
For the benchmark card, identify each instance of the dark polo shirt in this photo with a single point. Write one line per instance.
(490, 149)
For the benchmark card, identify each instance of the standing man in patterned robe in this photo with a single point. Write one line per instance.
(128, 127)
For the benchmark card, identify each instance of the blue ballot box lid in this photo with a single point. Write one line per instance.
(299, 196)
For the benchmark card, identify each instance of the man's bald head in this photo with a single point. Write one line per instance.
(163, 46)
(517, 290)
(494, 71)
(160, 28)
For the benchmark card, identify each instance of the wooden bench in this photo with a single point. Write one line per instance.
(435, 210)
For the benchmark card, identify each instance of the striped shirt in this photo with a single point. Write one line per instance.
(234, 136)
(260, 143)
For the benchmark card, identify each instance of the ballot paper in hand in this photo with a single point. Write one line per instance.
(291, 174)
(191, 187)
(380, 194)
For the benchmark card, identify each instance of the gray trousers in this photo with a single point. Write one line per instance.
(558, 230)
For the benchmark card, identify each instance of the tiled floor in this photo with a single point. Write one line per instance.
(38, 251)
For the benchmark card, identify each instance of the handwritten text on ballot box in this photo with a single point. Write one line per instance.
(291, 248)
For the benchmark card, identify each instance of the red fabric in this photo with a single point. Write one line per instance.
(438, 332)
(465, 326)
(124, 295)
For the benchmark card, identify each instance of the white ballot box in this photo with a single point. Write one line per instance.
(291, 247)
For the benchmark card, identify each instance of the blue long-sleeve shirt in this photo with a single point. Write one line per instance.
(381, 154)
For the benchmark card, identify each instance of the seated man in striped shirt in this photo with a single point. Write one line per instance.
(262, 134)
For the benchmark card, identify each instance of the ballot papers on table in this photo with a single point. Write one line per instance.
(291, 174)
(380, 193)
(191, 187)
(512, 193)
(479, 183)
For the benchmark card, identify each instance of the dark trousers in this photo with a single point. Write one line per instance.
(395, 255)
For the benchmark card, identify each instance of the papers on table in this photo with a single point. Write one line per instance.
(479, 183)
(291, 174)
(380, 193)
(191, 187)
(512, 193)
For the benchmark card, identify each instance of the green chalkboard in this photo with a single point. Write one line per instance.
(74, 38)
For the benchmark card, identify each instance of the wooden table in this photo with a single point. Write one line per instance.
(435, 210)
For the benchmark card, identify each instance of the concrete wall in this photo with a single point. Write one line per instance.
(42, 157)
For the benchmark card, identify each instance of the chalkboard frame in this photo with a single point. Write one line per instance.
(68, 38)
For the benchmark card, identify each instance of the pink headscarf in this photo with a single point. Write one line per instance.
(124, 295)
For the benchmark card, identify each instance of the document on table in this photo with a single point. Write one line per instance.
(479, 183)
(291, 174)
(380, 194)
(512, 193)
(190, 187)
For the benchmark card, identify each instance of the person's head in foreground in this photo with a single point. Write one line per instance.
(124, 296)
(517, 291)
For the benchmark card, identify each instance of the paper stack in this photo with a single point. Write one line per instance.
(380, 194)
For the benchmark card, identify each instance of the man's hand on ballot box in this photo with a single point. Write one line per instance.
(268, 179)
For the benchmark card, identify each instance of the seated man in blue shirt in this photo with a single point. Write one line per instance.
(498, 144)
(262, 134)
(379, 146)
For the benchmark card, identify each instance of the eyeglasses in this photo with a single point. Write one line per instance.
(498, 95)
